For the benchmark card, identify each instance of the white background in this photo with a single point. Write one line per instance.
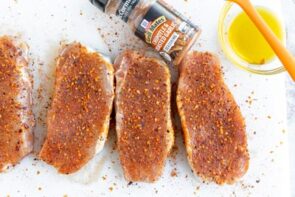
(288, 10)
(44, 24)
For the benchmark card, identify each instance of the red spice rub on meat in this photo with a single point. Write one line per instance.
(78, 119)
(213, 125)
(143, 119)
(16, 116)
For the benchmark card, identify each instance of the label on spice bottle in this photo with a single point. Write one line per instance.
(125, 8)
(167, 31)
(158, 28)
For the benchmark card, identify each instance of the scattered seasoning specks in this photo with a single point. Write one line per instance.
(258, 181)
(60, 23)
(173, 173)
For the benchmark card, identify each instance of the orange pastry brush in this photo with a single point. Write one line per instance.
(283, 54)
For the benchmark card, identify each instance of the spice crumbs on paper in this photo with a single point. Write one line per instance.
(173, 173)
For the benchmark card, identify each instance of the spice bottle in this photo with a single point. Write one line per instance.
(156, 23)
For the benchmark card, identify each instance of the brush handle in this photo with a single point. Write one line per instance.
(283, 54)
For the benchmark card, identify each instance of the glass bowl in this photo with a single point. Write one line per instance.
(228, 13)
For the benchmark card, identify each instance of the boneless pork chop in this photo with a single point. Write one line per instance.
(143, 117)
(79, 116)
(16, 117)
(213, 126)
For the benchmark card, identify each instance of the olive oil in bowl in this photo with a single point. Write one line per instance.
(246, 40)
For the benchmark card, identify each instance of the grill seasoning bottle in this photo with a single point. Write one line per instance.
(156, 23)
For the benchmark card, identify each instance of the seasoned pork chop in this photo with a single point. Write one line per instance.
(143, 117)
(78, 120)
(213, 126)
(16, 117)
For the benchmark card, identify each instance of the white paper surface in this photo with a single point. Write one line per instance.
(43, 24)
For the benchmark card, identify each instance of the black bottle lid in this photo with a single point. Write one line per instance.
(101, 4)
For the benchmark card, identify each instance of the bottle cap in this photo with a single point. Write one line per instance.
(101, 4)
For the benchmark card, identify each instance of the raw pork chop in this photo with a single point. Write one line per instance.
(143, 117)
(78, 120)
(16, 117)
(213, 126)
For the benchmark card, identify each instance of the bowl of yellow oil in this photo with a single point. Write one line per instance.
(242, 42)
